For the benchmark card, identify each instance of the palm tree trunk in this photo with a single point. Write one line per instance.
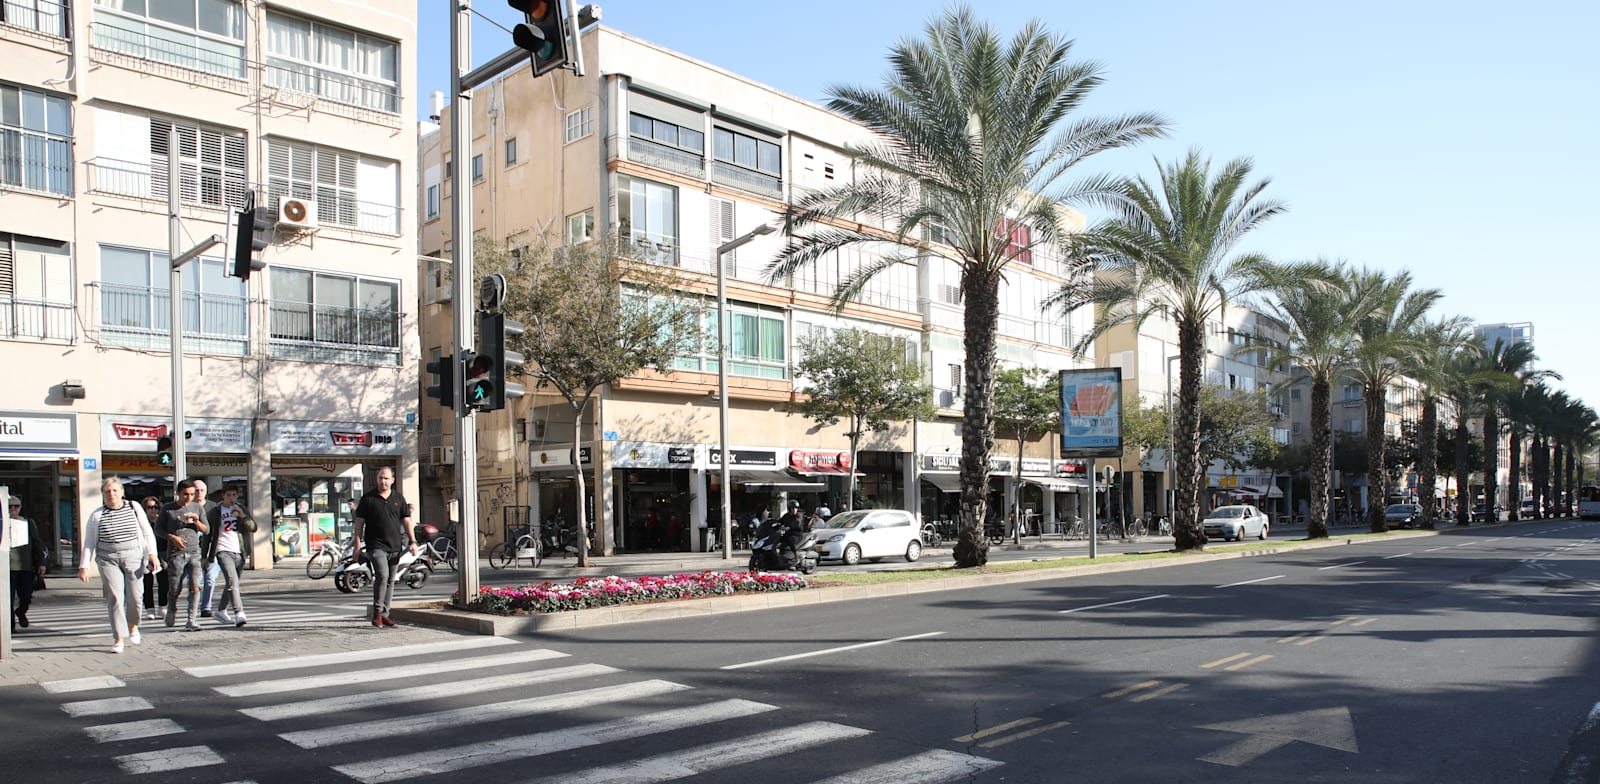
(1540, 468)
(1557, 474)
(1377, 477)
(980, 320)
(1186, 439)
(1321, 455)
(1463, 473)
(1428, 457)
(1491, 463)
(1514, 482)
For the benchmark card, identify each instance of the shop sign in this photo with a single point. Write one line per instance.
(27, 430)
(636, 454)
(1070, 468)
(552, 458)
(952, 462)
(819, 462)
(137, 463)
(119, 433)
(1037, 466)
(745, 457)
(333, 438)
(680, 455)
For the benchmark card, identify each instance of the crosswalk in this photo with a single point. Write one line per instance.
(472, 709)
(87, 619)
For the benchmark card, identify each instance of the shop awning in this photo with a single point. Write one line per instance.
(1255, 492)
(946, 482)
(1057, 484)
(773, 480)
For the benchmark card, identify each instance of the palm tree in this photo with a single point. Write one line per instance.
(1168, 249)
(1321, 343)
(969, 139)
(1389, 331)
(1508, 365)
(1521, 406)
(1464, 377)
(1433, 366)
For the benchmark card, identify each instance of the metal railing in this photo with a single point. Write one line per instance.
(309, 331)
(141, 317)
(198, 186)
(167, 47)
(661, 156)
(334, 86)
(35, 160)
(745, 179)
(39, 319)
(40, 16)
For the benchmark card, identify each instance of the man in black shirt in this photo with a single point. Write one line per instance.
(384, 518)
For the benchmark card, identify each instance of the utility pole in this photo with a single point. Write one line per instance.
(460, 292)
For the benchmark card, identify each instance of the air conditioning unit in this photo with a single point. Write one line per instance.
(949, 398)
(442, 455)
(296, 213)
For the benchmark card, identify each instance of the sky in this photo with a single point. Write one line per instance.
(1453, 140)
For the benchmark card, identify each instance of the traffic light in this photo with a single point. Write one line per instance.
(498, 361)
(477, 388)
(445, 390)
(258, 227)
(544, 35)
(164, 451)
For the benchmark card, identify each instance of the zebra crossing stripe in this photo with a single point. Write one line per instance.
(332, 705)
(130, 730)
(932, 767)
(713, 756)
(82, 684)
(481, 714)
(384, 673)
(106, 706)
(345, 657)
(163, 760)
(489, 752)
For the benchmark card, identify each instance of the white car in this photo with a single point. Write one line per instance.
(869, 533)
(1234, 523)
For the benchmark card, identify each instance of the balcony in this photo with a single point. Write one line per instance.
(40, 16)
(339, 88)
(187, 51)
(140, 317)
(204, 187)
(324, 333)
(660, 156)
(747, 180)
(38, 320)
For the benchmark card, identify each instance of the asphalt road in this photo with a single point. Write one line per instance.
(1466, 657)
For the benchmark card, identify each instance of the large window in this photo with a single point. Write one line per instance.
(666, 145)
(329, 317)
(350, 190)
(202, 35)
(647, 215)
(35, 288)
(331, 62)
(42, 16)
(748, 162)
(35, 141)
(135, 306)
(759, 345)
(131, 150)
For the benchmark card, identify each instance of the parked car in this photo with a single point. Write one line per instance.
(1528, 509)
(1403, 515)
(1236, 522)
(1482, 515)
(873, 534)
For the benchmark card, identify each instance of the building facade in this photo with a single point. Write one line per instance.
(298, 383)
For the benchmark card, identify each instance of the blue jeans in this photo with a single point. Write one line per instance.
(186, 569)
(211, 572)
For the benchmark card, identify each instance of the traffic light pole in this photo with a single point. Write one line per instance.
(461, 294)
(180, 450)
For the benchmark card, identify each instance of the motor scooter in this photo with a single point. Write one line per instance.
(355, 573)
(781, 547)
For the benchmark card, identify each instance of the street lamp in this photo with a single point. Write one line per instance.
(722, 378)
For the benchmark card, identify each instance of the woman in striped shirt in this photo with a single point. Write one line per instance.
(119, 541)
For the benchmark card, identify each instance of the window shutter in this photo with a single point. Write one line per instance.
(7, 270)
(722, 225)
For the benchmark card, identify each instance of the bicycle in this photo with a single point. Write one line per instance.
(328, 555)
(524, 545)
(930, 536)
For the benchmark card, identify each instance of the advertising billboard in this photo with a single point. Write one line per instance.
(1091, 412)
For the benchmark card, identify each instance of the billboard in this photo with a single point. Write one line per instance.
(1091, 412)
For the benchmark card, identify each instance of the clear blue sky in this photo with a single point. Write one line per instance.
(1452, 139)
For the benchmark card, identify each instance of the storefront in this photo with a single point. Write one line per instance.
(653, 495)
(941, 484)
(319, 471)
(215, 450)
(554, 491)
(39, 465)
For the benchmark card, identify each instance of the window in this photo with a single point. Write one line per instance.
(758, 348)
(35, 141)
(1352, 392)
(580, 124)
(1018, 238)
(647, 216)
(335, 63)
(135, 309)
(748, 152)
(955, 377)
(642, 126)
(131, 150)
(477, 167)
(1294, 394)
(326, 316)
(511, 151)
(723, 226)
(201, 35)
(1352, 426)
(35, 288)
(433, 201)
(350, 190)
(580, 227)
(42, 16)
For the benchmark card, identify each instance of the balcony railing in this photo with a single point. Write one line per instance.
(333, 86)
(38, 319)
(40, 16)
(141, 317)
(170, 47)
(202, 187)
(661, 156)
(745, 179)
(325, 333)
(35, 161)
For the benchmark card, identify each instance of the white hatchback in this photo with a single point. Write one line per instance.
(1236, 522)
(869, 533)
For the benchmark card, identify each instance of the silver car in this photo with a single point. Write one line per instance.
(1234, 523)
(870, 534)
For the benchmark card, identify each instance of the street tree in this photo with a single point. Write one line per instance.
(1027, 404)
(1504, 369)
(1235, 428)
(1432, 366)
(971, 140)
(593, 316)
(868, 381)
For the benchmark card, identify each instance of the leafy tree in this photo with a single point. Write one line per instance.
(1235, 428)
(1027, 403)
(865, 379)
(970, 138)
(593, 317)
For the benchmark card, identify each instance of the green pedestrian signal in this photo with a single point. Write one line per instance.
(164, 456)
(477, 382)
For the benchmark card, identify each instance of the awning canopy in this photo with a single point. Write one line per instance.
(773, 480)
(1057, 484)
(1273, 491)
(946, 482)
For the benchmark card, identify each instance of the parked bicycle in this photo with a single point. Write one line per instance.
(930, 536)
(325, 557)
(524, 544)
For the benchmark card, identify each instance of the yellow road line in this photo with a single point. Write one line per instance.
(1294, 637)
(1346, 619)
(1364, 621)
(1126, 690)
(1246, 663)
(1313, 638)
(995, 730)
(1220, 662)
(1024, 734)
(1164, 690)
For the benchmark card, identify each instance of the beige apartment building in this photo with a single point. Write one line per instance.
(678, 156)
(297, 384)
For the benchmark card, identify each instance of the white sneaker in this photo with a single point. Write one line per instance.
(149, 614)
(135, 638)
(117, 647)
(238, 618)
(222, 617)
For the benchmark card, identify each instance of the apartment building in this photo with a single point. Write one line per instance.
(297, 384)
(677, 157)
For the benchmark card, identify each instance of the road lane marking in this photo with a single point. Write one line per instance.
(481, 714)
(828, 651)
(1398, 555)
(1339, 565)
(1126, 690)
(712, 756)
(1433, 549)
(1329, 728)
(1251, 582)
(1344, 620)
(106, 706)
(1027, 733)
(334, 705)
(1248, 662)
(1313, 638)
(295, 662)
(1161, 692)
(931, 767)
(1293, 637)
(131, 730)
(995, 730)
(398, 671)
(1113, 604)
(1220, 662)
(82, 684)
(489, 752)
(1363, 621)
(163, 760)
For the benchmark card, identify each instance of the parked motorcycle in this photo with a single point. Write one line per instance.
(356, 574)
(780, 547)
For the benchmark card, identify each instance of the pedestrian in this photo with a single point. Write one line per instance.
(210, 569)
(27, 560)
(118, 540)
(157, 582)
(822, 511)
(225, 546)
(384, 519)
(182, 523)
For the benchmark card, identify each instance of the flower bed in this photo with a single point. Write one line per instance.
(587, 592)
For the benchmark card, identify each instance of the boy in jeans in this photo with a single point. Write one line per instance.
(182, 526)
(225, 546)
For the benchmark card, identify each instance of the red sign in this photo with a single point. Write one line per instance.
(817, 462)
(138, 432)
(1069, 467)
(351, 438)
